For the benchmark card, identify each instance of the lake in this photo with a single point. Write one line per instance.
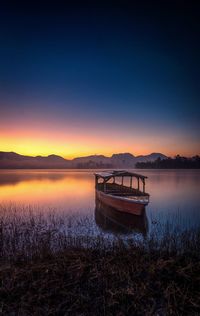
(174, 197)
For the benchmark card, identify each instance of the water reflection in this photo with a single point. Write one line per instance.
(61, 189)
(112, 221)
(12, 178)
(171, 191)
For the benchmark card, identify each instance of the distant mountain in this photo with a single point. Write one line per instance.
(94, 161)
(123, 160)
(151, 157)
(11, 160)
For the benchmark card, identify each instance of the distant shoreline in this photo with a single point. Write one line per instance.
(171, 163)
(74, 168)
(60, 168)
(11, 160)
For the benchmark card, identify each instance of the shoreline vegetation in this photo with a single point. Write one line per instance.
(171, 163)
(47, 270)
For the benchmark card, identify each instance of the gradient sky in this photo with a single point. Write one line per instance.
(100, 79)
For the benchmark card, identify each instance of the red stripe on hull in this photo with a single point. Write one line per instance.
(121, 205)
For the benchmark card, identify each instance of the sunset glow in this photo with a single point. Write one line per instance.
(74, 138)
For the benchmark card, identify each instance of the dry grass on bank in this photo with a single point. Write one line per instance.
(47, 271)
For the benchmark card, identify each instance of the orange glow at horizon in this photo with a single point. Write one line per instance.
(32, 146)
(74, 140)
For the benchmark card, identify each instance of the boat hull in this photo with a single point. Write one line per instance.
(121, 204)
(112, 221)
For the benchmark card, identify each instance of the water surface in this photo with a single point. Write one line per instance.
(174, 197)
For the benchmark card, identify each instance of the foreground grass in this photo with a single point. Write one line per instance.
(47, 271)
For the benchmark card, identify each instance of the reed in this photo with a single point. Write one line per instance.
(57, 265)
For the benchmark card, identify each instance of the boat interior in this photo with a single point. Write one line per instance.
(107, 182)
(118, 189)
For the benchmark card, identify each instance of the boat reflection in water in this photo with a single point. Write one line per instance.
(112, 221)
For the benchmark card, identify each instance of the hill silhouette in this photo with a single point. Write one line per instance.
(12, 160)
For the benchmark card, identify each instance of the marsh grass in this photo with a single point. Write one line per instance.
(53, 264)
(27, 232)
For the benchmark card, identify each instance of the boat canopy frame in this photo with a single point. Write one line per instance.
(107, 175)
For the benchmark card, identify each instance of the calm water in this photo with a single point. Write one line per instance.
(174, 197)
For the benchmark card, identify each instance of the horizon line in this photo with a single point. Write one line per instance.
(89, 155)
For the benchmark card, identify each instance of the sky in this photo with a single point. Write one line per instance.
(99, 78)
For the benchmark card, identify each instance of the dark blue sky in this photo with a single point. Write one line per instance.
(122, 65)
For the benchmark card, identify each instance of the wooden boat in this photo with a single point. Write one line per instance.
(119, 196)
(112, 221)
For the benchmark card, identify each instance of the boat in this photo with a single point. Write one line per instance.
(110, 220)
(121, 196)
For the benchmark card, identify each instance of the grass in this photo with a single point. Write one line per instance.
(48, 268)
